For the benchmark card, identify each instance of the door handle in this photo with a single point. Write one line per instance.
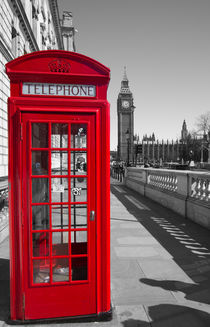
(92, 215)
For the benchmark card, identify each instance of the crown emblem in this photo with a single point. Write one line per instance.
(59, 66)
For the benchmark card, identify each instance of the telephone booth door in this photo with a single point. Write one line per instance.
(58, 183)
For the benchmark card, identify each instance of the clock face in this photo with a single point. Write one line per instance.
(125, 104)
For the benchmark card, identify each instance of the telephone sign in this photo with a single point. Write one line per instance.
(59, 89)
(58, 118)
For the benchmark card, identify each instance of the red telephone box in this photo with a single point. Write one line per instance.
(59, 186)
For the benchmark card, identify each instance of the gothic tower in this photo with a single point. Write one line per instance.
(184, 132)
(125, 114)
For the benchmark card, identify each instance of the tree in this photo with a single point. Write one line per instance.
(203, 123)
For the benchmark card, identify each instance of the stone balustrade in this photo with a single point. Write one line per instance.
(185, 192)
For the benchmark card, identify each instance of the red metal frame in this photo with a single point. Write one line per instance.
(22, 110)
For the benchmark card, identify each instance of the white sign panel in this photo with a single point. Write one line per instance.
(72, 90)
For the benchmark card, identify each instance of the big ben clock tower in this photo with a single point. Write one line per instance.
(125, 112)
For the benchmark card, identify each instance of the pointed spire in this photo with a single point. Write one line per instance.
(125, 75)
(184, 124)
(124, 84)
(184, 131)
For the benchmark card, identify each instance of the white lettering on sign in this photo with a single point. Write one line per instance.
(71, 90)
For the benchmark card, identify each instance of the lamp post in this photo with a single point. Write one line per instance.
(135, 141)
(127, 135)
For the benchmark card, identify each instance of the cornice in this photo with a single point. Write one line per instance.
(20, 11)
(56, 21)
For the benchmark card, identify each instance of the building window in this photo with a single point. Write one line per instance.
(14, 40)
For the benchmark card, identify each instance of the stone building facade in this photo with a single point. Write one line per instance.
(26, 26)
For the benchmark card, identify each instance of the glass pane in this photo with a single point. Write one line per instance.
(79, 163)
(59, 189)
(40, 217)
(59, 136)
(39, 162)
(60, 216)
(40, 190)
(79, 268)
(79, 189)
(60, 243)
(60, 270)
(78, 216)
(79, 242)
(40, 244)
(78, 135)
(41, 271)
(59, 163)
(39, 135)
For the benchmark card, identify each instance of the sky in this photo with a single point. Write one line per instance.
(165, 46)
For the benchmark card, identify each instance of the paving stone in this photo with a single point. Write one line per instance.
(135, 251)
(170, 315)
(127, 269)
(131, 291)
(131, 240)
(132, 315)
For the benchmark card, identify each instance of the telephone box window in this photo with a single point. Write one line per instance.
(39, 162)
(79, 242)
(40, 190)
(78, 189)
(40, 217)
(59, 136)
(78, 216)
(79, 268)
(59, 189)
(60, 270)
(39, 135)
(78, 163)
(59, 163)
(41, 271)
(40, 244)
(78, 135)
(60, 243)
(60, 216)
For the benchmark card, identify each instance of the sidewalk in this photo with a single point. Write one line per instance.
(160, 266)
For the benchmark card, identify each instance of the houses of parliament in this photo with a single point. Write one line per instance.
(131, 149)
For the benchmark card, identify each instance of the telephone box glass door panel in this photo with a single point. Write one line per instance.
(60, 184)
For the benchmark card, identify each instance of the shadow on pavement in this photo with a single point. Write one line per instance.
(135, 323)
(168, 315)
(4, 289)
(193, 292)
(188, 244)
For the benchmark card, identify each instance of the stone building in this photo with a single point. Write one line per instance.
(182, 150)
(26, 26)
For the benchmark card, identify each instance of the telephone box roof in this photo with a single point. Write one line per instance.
(52, 64)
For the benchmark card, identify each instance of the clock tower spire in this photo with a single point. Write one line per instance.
(125, 114)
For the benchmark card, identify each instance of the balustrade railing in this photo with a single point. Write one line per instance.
(163, 181)
(186, 192)
(200, 188)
